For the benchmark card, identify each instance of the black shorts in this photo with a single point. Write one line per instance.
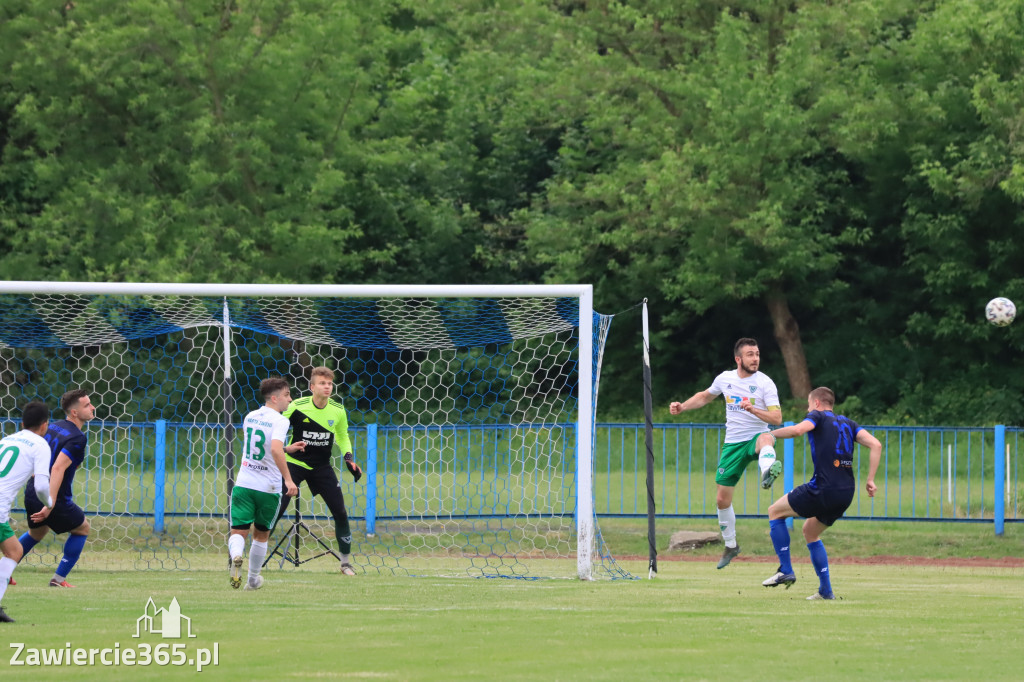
(64, 517)
(322, 481)
(824, 504)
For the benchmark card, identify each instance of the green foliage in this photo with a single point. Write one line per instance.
(859, 161)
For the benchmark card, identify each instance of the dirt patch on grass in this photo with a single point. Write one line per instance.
(885, 559)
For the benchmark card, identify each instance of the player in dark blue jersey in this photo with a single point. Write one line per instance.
(824, 498)
(67, 451)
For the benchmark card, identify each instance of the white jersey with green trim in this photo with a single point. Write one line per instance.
(259, 470)
(22, 455)
(758, 389)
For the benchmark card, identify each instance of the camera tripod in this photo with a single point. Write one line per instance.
(293, 538)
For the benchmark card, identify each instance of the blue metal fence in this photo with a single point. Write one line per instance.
(957, 474)
(962, 474)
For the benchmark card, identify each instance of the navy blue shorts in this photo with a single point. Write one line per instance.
(64, 517)
(824, 504)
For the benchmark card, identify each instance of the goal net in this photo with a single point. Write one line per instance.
(471, 412)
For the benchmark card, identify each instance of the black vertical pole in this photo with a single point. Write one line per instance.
(652, 566)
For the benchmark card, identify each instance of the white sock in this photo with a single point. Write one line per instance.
(766, 458)
(346, 558)
(236, 545)
(257, 552)
(727, 522)
(6, 571)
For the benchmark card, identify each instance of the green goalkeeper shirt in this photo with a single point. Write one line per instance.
(319, 428)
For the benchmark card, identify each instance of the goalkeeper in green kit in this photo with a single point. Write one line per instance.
(321, 421)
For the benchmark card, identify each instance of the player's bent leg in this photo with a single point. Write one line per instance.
(325, 484)
(781, 509)
(772, 469)
(767, 461)
(813, 528)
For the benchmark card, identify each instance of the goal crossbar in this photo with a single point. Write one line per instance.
(299, 290)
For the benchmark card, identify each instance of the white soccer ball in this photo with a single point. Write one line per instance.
(1000, 311)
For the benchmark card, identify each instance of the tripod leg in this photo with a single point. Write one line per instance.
(323, 544)
(287, 540)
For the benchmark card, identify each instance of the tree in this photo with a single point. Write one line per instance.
(300, 141)
(705, 159)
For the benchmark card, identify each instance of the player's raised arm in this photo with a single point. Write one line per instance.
(694, 402)
(875, 458)
(806, 426)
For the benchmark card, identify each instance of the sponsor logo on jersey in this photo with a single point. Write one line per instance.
(733, 402)
(315, 436)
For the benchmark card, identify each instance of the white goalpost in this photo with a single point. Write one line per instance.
(471, 409)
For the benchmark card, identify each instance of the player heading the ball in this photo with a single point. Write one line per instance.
(751, 404)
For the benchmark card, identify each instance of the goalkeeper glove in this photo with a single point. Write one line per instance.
(353, 468)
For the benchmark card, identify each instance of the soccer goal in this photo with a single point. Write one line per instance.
(471, 411)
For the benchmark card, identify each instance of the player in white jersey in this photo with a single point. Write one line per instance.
(22, 455)
(257, 492)
(751, 404)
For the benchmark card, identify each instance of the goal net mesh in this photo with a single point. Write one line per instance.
(462, 413)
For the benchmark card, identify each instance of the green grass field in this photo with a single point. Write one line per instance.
(691, 622)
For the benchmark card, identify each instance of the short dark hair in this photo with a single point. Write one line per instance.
(745, 341)
(824, 395)
(68, 400)
(272, 385)
(34, 414)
